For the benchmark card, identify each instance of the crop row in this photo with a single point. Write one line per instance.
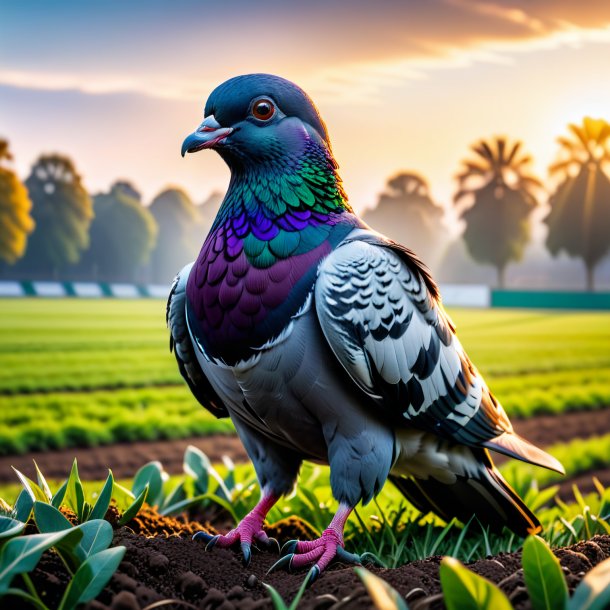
(56, 421)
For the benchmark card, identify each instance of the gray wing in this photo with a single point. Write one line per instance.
(181, 344)
(381, 314)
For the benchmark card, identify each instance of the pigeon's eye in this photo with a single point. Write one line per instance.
(263, 109)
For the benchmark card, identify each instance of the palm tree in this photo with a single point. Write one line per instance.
(406, 213)
(579, 220)
(496, 197)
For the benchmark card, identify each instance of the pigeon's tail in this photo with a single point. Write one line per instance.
(515, 446)
(482, 493)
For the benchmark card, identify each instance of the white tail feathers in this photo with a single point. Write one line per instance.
(513, 445)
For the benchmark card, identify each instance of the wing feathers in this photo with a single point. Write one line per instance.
(181, 344)
(381, 315)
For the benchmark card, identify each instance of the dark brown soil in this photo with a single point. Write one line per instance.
(545, 430)
(125, 458)
(163, 563)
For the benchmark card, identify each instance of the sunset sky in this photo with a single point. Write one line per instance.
(400, 84)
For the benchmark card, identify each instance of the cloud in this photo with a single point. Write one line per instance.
(344, 50)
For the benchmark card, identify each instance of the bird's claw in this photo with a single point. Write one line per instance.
(289, 547)
(329, 547)
(271, 544)
(312, 576)
(208, 539)
(284, 562)
(247, 553)
(260, 539)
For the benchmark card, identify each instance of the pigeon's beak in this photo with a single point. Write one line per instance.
(207, 135)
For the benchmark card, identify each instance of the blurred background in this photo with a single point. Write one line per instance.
(475, 132)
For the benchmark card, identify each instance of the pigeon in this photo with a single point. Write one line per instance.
(325, 341)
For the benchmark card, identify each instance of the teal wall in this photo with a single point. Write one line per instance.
(550, 300)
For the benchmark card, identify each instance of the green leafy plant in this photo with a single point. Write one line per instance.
(84, 550)
(465, 590)
(384, 596)
(543, 576)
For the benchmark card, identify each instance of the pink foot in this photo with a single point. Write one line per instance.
(320, 552)
(247, 532)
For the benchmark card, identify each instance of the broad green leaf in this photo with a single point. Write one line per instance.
(593, 593)
(178, 494)
(465, 590)
(97, 536)
(36, 493)
(9, 527)
(92, 577)
(150, 474)
(384, 596)
(49, 519)
(122, 495)
(543, 576)
(135, 507)
(60, 494)
(42, 483)
(23, 506)
(197, 465)
(75, 496)
(103, 500)
(21, 554)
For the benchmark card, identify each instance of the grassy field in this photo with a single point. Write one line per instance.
(78, 372)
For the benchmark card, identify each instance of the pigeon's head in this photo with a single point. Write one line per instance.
(256, 119)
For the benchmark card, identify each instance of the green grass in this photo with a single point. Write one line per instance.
(58, 420)
(389, 526)
(77, 344)
(74, 372)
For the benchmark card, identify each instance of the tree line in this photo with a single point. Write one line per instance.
(51, 228)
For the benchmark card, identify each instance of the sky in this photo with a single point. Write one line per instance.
(401, 84)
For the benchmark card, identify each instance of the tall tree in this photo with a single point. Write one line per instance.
(123, 235)
(180, 233)
(15, 205)
(579, 220)
(496, 197)
(62, 211)
(406, 213)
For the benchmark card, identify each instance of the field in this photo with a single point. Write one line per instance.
(78, 374)
(85, 373)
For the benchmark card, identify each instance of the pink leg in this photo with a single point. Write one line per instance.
(250, 529)
(322, 550)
